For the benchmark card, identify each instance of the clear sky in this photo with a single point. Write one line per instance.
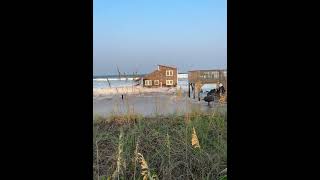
(136, 35)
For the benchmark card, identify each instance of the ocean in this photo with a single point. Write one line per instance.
(102, 82)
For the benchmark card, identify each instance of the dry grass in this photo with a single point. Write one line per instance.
(120, 162)
(144, 167)
(194, 140)
(222, 99)
(164, 142)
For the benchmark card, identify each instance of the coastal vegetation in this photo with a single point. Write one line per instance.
(192, 145)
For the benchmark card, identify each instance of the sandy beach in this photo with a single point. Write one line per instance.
(134, 90)
(146, 101)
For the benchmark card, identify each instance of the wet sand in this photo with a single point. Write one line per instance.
(134, 90)
(150, 104)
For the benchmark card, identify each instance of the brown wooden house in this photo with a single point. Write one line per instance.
(164, 76)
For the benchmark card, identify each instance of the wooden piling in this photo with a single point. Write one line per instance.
(189, 90)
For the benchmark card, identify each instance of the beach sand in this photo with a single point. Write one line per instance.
(146, 101)
(137, 90)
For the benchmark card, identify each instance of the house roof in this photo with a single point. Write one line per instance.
(157, 71)
(167, 66)
(152, 73)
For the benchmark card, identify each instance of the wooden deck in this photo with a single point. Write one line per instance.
(197, 78)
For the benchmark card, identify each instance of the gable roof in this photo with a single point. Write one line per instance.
(152, 73)
(167, 66)
(157, 71)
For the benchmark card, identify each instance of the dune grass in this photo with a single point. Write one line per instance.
(163, 144)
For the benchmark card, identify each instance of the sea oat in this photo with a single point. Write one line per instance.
(119, 158)
(144, 166)
(223, 171)
(194, 140)
(169, 155)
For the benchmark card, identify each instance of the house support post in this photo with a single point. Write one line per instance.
(194, 91)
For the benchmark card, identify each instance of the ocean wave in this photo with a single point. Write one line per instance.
(112, 79)
(180, 76)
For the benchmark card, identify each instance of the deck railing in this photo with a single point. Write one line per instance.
(207, 76)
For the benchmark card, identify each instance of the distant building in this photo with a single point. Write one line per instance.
(164, 76)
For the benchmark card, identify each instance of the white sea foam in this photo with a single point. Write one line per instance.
(183, 76)
(112, 79)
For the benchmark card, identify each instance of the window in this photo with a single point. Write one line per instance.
(169, 72)
(169, 82)
(148, 82)
(156, 82)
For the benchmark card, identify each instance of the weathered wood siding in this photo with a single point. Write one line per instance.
(160, 74)
(208, 76)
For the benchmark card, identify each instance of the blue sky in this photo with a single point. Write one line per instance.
(136, 35)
